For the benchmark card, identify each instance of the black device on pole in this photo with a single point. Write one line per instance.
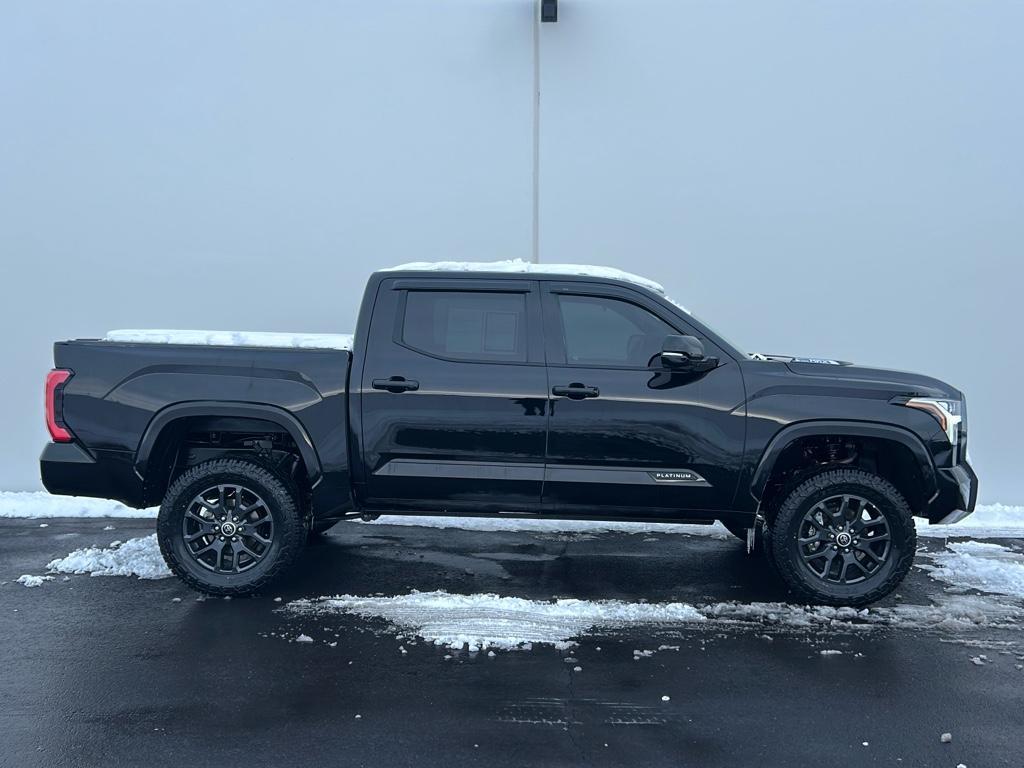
(549, 10)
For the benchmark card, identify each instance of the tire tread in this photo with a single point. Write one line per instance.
(788, 567)
(292, 536)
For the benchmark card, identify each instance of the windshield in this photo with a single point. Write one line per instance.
(720, 335)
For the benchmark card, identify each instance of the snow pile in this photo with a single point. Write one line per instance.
(987, 520)
(341, 341)
(42, 504)
(482, 621)
(490, 621)
(29, 580)
(533, 525)
(520, 267)
(136, 557)
(977, 565)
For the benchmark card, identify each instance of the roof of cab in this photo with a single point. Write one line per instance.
(520, 267)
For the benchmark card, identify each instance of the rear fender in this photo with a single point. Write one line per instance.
(166, 417)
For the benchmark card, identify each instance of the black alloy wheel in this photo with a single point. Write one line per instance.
(230, 526)
(842, 537)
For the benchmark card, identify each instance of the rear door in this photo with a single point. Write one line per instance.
(454, 396)
(628, 437)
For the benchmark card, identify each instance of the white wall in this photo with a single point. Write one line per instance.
(836, 179)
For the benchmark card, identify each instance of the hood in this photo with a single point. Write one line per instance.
(911, 384)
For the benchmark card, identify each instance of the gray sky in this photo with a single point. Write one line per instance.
(840, 179)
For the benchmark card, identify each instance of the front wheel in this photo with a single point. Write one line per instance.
(229, 527)
(843, 537)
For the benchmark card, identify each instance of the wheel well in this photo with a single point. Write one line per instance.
(191, 440)
(806, 456)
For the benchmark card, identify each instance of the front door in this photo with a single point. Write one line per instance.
(454, 397)
(628, 437)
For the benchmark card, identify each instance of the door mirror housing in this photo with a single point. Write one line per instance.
(686, 353)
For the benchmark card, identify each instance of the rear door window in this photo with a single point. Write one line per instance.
(466, 325)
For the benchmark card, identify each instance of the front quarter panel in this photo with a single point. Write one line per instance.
(778, 398)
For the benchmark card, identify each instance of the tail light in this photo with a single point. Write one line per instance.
(55, 381)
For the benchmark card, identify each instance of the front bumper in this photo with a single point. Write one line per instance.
(957, 495)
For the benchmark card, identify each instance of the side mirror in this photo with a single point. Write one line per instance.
(686, 353)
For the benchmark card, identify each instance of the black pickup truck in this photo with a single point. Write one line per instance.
(560, 392)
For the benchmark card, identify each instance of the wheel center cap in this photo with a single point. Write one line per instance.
(844, 539)
(228, 529)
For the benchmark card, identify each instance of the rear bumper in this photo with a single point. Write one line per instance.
(957, 496)
(69, 470)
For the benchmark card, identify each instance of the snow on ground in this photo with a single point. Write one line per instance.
(40, 504)
(987, 521)
(341, 341)
(489, 621)
(29, 580)
(136, 557)
(482, 621)
(979, 565)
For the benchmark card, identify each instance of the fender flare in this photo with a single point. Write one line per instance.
(165, 417)
(784, 437)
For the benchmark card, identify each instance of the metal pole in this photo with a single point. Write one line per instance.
(535, 257)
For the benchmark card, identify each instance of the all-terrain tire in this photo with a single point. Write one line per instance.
(279, 499)
(784, 548)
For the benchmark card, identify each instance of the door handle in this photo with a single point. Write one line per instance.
(575, 391)
(396, 384)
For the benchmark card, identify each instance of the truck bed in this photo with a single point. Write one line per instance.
(123, 393)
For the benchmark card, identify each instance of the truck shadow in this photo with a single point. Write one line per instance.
(364, 560)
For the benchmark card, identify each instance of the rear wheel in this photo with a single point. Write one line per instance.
(843, 537)
(229, 527)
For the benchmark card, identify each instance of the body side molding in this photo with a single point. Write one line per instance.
(472, 470)
(559, 473)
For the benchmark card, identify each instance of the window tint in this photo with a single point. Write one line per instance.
(467, 326)
(604, 331)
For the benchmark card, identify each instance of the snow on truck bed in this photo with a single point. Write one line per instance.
(341, 341)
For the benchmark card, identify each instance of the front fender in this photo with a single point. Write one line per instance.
(787, 435)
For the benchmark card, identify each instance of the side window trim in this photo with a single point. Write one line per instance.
(554, 332)
(532, 334)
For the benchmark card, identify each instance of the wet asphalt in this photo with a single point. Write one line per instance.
(113, 672)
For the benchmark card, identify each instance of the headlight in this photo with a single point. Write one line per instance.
(949, 413)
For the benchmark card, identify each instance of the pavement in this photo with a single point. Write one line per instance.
(113, 671)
